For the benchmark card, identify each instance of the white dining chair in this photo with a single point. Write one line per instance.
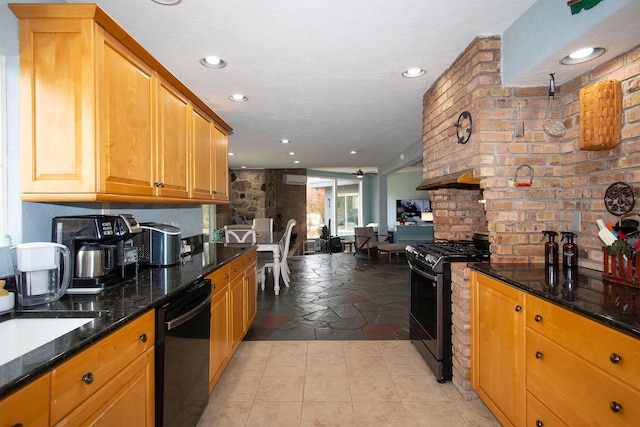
(285, 240)
(239, 234)
(263, 226)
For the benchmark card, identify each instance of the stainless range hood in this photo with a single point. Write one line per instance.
(463, 180)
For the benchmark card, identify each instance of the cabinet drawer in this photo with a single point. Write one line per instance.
(237, 266)
(219, 280)
(575, 390)
(84, 374)
(540, 415)
(614, 352)
(251, 257)
(28, 406)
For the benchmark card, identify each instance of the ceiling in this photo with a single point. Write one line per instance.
(324, 74)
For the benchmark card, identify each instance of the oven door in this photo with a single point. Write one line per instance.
(430, 317)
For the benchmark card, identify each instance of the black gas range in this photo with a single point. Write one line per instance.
(430, 309)
(436, 255)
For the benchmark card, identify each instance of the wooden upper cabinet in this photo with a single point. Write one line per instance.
(126, 148)
(172, 177)
(203, 156)
(221, 177)
(56, 108)
(102, 119)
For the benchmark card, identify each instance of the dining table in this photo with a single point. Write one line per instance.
(270, 242)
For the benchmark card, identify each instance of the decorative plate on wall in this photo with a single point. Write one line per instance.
(619, 198)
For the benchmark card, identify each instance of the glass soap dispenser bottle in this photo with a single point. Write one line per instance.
(569, 250)
(550, 248)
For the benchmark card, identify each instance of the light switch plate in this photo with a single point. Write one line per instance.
(576, 222)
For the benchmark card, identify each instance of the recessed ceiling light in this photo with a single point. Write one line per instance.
(353, 151)
(582, 55)
(232, 154)
(414, 72)
(285, 141)
(238, 97)
(243, 167)
(213, 62)
(167, 2)
(291, 153)
(296, 161)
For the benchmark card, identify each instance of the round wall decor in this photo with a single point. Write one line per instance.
(463, 127)
(619, 198)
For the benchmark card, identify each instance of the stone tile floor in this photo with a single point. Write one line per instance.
(333, 349)
(336, 297)
(336, 383)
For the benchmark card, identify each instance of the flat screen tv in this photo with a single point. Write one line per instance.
(409, 210)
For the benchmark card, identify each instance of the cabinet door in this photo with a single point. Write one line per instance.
(172, 173)
(28, 406)
(203, 157)
(251, 293)
(219, 339)
(236, 303)
(221, 173)
(57, 106)
(497, 345)
(127, 400)
(127, 150)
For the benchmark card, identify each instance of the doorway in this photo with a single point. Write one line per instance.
(335, 201)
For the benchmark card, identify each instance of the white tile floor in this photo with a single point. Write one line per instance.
(336, 383)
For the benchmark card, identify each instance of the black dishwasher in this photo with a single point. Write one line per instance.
(182, 356)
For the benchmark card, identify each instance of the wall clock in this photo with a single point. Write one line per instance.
(463, 127)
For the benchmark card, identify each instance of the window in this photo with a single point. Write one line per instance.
(335, 200)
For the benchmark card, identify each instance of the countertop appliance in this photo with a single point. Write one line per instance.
(430, 306)
(158, 244)
(98, 246)
(182, 356)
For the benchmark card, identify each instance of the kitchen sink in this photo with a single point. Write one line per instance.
(21, 335)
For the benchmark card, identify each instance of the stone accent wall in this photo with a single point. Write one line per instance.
(261, 193)
(567, 181)
(247, 194)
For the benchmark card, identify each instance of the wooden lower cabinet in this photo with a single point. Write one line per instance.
(576, 391)
(497, 343)
(28, 406)
(219, 341)
(233, 309)
(236, 300)
(111, 383)
(251, 294)
(583, 372)
(548, 366)
(126, 400)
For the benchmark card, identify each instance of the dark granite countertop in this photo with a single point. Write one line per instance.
(583, 291)
(111, 309)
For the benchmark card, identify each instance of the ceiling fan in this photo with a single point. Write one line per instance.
(360, 174)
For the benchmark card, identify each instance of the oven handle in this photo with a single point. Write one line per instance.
(422, 273)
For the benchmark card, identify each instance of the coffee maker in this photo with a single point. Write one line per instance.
(101, 247)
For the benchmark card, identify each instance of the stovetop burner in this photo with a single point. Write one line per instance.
(446, 251)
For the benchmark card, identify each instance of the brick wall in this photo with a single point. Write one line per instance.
(566, 180)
